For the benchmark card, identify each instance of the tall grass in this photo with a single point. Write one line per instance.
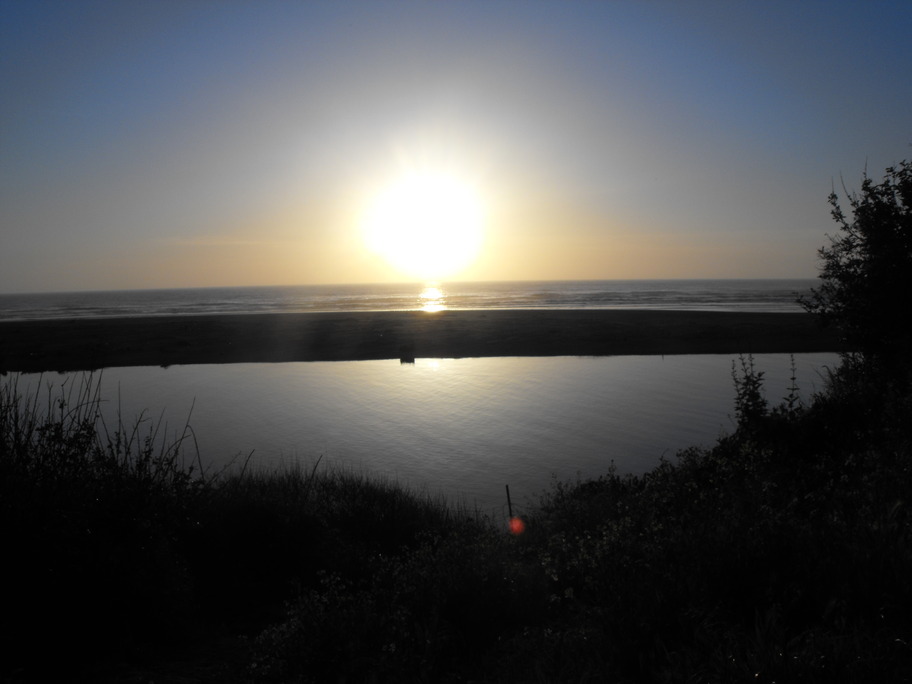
(118, 541)
(90, 515)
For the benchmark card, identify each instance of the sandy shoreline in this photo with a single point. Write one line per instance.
(83, 344)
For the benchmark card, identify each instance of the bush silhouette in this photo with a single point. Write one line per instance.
(866, 288)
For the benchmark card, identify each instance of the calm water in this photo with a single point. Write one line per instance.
(462, 427)
(721, 295)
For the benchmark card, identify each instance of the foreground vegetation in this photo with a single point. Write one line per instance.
(783, 553)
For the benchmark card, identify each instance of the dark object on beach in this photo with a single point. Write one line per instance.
(407, 353)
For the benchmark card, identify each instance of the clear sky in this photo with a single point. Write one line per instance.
(193, 143)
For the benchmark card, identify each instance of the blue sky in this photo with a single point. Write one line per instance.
(177, 144)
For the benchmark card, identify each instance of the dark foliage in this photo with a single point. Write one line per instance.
(866, 274)
(784, 553)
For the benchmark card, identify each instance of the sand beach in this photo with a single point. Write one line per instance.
(92, 343)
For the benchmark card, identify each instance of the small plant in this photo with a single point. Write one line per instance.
(791, 405)
(750, 403)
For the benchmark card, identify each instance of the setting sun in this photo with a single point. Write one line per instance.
(426, 225)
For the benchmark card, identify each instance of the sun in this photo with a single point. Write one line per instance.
(427, 225)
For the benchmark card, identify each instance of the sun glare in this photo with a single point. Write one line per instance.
(432, 299)
(426, 225)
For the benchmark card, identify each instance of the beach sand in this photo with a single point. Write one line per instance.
(86, 344)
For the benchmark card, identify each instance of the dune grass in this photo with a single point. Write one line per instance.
(783, 553)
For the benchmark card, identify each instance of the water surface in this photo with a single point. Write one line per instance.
(461, 427)
(693, 295)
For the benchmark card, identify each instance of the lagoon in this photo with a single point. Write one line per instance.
(461, 428)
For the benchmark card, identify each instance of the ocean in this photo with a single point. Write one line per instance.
(719, 295)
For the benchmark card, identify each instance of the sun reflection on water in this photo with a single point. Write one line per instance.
(432, 299)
